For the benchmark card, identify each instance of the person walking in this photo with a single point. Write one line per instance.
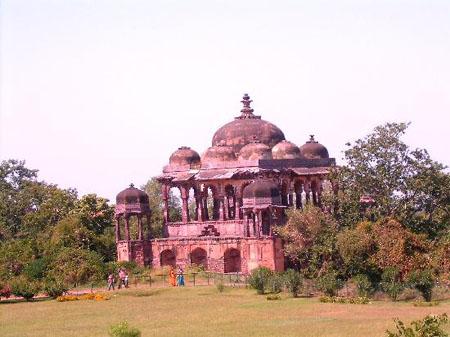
(111, 281)
(172, 277)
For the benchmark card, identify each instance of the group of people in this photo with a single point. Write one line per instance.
(123, 280)
(176, 278)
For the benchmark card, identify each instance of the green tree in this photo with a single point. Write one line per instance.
(391, 282)
(153, 189)
(293, 281)
(310, 240)
(404, 183)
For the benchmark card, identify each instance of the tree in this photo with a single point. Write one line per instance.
(310, 240)
(94, 213)
(391, 282)
(293, 281)
(153, 189)
(404, 183)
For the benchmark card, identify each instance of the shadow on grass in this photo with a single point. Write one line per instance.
(140, 293)
(22, 300)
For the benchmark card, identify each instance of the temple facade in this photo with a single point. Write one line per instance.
(233, 196)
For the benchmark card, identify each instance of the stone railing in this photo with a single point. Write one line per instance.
(198, 228)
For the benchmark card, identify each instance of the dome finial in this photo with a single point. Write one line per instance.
(132, 185)
(311, 139)
(247, 111)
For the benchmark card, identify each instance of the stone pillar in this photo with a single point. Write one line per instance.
(200, 208)
(221, 200)
(185, 204)
(258, 223)
(165, 197)
(307, 192)
(238, 214)
(246, 226)
(118, 238)
(298, 197)
(205, 207)
(226, 208)
(140, 229)
(314, 194)
(127, 227)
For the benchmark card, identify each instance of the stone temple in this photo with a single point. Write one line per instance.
(233, 196)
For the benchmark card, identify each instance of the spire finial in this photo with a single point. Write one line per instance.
(311, 139)
(132, 185)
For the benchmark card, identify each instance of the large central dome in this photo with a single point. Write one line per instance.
(246, 129)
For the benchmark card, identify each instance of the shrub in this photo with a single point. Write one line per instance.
(54, 288)
(36, 269)
(423, 281)
(344, 300)
(220, 287)
(330, 283)
(293, 281)
(259, 279)
(123, 330)
(276, 283)
(24, 287)
(391, 282)
(363, 285)
(273, 297)
(430, 326)
(5, 291)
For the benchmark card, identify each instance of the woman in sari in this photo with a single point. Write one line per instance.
(172, 277)
(180, 277)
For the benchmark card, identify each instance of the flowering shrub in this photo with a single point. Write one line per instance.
(5, 291)
(91, 296)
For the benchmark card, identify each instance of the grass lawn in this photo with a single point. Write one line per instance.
(202, 311)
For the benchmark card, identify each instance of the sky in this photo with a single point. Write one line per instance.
(98, 94)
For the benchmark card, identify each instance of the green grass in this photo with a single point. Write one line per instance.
(203, 311)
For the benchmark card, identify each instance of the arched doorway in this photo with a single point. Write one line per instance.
(199, 257)
(232, 260)
(167, 258)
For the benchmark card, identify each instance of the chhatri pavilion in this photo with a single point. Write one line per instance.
(233, 196)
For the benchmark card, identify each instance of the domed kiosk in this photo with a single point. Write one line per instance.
(235, 195)
(133, 204)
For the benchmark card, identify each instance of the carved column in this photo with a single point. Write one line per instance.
(200, 206)
(185, 205)
(221, 201)
(118, 238)
(314, 193)
(238, 214)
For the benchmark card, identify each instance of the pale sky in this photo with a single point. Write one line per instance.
(98, 94)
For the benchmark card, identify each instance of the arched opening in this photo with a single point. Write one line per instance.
(199, 257)
(211, 204)
(167, 258)
(232, 260)
(192, 205)
(230, 202)
(265, 222)
(174, 204)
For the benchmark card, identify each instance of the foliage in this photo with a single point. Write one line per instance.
(14, 256)
(220, 287)
(123, 329)
(430, 326)
(36, 269)
(275, 283)
(330, 282)
(77, 266)
(23, 287)
(402, 182)
(273, 297)
(89, 296)
(424, 281)
(293, 281)
(5, 290)
(391, 282)
(344, 300)
(364, 286)
(259, 279)
(310, 240)
(54, 288)
(154, 191)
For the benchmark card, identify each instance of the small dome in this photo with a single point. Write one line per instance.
(245, 128)
(218, 154)
(286, 150)
(262, 192)
(255, 151)
(132, 195)
(314, 150)
(184, 157)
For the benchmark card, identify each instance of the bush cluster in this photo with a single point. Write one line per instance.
(346, 300)
(123, 329)
(91, 297)
(265, 280)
